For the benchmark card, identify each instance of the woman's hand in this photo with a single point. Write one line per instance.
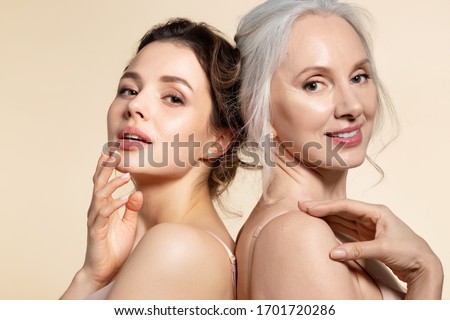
(382, 236)
(110, 236)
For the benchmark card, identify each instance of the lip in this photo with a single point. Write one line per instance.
(139, 140)
(354, 136)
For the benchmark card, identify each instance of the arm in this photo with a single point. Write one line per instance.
(110, 237)
(291, 261)
(174, 261)
(384, 237)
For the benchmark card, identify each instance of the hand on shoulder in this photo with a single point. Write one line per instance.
(381, 235)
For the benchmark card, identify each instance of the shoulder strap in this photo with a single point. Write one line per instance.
(232, 261)
(252, 249)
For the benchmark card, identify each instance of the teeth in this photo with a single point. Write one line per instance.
(347, 135)
(131, 136)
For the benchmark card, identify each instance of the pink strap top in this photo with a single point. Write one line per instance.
(103, 293)
(232, 258)
(388, 286)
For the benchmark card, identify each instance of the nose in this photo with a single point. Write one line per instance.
(347, 103)
(137, 108)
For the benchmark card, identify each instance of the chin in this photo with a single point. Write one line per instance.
(354, 162)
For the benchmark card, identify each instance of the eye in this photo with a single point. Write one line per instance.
(128, 92)
(313, 86)
(173, 99)
(360, 78)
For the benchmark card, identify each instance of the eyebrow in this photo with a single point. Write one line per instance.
(361, 63)
(166, 79)
(131, 75)
(325, 69)
(169, 79)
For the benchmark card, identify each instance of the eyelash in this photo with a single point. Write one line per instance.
(128, 92)
(173, 99)
(307, 85)
(179, 101)
(363, 75)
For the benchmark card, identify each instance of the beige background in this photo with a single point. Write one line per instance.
(59, 66)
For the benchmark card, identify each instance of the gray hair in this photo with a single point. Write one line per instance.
(263, 36)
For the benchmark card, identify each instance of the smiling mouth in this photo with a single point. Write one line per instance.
(134, 137)
(343, 135)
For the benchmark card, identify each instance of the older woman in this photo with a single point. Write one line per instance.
(311, 94)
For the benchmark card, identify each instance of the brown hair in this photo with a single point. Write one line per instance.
(221, 64)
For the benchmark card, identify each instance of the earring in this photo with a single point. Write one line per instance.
(272, 135)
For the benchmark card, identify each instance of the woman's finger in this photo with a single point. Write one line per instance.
(349, 209)
(133, 206)
(105, 212)
(105, 166)
(365, 229)
(358, 250)
(351, 224)
(101, 160)
(112, 186)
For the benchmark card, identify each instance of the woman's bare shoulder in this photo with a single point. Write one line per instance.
(173, 261)
(298, 230)
(182, 241)
(291, 260)
(269, 223)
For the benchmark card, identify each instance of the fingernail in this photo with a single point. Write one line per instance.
(125, 175)
(114, 154)
(302, 206)
(338, 254)
(124, 198)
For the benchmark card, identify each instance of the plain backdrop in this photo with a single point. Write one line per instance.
(60, 62)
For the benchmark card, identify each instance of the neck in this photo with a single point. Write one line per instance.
(293, 183)
(172, 201)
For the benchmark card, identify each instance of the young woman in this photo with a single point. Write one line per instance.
(175, 127)
(310, 92)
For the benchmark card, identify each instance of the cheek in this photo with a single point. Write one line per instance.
(169, 126)
(300, 119)
(285, 115)
(112, 121)
(187, 133)
(195, 121)
(371, 105)
(370, 115)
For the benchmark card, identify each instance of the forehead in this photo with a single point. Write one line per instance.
(161, 58)
(322, 38)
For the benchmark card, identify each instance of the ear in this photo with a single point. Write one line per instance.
(273, 132)
(219, 145)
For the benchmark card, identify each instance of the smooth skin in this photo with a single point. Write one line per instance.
(161, 248)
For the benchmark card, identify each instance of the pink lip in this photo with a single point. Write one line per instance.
(130, 144)
(347, 142)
